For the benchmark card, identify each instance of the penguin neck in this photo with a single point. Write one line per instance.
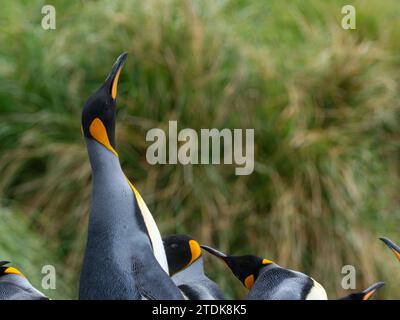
(101, 159)
(268, 267)
(108, 180)
(106, 170)
(193, 272)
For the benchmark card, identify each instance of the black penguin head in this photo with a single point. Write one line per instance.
(181, 251)
(246, 268)
(392, 246)
(98, 115)
(5, 270)
(365, 294)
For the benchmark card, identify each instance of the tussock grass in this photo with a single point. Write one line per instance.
(324, 103)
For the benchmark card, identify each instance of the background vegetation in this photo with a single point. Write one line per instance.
(324, 103)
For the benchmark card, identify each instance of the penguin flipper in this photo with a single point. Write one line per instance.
(189, 292)
(153, 282)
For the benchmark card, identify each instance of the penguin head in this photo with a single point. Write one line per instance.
(5, 270)
(14, 279)
(99, 112)
(181, 251)
(365, 294)
(392, 246)
(246, 268)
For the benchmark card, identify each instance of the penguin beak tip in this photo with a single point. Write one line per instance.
(207, 248)
(112, 79)
(122, 57)
(377, 285)
(4, 262)
(214, 252)
(390, 244)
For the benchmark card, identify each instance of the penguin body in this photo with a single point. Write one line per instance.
(276, 283)
(268, 281)
(14, 285)
(124, 256)
(185, 261)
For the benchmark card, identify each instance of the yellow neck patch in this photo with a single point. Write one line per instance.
(139, 198)
(249, 281)
(11, 270)
(99, 132)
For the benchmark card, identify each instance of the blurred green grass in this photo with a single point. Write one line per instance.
(26, 250)
(324, 103)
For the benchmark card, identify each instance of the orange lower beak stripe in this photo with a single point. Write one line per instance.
(369, 295)
(396, 253)
(115, 85)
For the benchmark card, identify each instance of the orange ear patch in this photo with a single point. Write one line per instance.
(11, 270)
(249, 281)
(195, 251)
(266, 261)
(99, 132)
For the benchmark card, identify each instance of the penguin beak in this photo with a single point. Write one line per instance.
(218, 254)
(111, 83)
(2, 263)
(392, 246)
(215, 252)
(369, 292)
(365, 294)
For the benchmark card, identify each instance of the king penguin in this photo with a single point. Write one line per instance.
(124, 256)
(268, 281)
(365, 294)
(392, 246)
(186, 265)
(15, 286)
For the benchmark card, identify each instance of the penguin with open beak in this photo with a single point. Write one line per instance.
(15, 286)
(124, 256)
(186, 265)
(392, 246)
(365, 294)
(268, 281)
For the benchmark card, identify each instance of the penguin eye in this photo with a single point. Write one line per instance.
(174, 246)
